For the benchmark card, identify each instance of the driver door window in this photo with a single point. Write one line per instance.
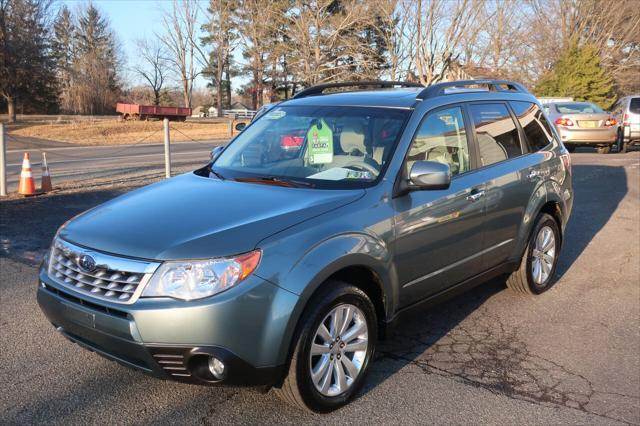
(442, 138)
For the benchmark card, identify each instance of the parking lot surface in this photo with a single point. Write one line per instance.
(490, 356)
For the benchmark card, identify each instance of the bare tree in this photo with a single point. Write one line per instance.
(441, 29)
(326, 40)
(399, 37)
(153, 66)
(179, 37)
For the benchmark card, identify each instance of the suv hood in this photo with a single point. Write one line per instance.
(192, 217)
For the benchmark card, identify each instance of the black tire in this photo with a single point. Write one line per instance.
(622, 147)
(570, 148)
(298, 389)
(603, 149)
(522, 280)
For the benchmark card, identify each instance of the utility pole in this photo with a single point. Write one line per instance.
(3, 162)
(167, 150)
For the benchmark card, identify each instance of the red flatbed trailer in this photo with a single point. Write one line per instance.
(144, 112)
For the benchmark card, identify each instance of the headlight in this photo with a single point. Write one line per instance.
(195, 279)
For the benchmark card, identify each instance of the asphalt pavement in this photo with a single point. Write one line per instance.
(69, 162)
(570, 356)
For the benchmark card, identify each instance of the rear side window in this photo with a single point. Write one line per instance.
(634, 106)
(496, 132)
(535, 125)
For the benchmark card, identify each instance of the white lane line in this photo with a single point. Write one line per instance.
(113, 158)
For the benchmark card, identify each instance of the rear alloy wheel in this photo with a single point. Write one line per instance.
(333, 347)
(603, 149)
(538, 265)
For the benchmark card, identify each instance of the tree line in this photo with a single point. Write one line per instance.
(71, 62)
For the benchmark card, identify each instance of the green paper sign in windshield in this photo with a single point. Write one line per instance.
(320, 140)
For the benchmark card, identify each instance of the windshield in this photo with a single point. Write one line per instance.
(578, 108)
(317, 146)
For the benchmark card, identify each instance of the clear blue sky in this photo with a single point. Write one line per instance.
(131, 20)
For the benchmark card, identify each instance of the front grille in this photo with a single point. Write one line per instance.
(121, 283)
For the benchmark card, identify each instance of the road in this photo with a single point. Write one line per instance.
(490, 356)
(77, 163)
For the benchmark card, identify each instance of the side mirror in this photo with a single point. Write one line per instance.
(215, 152)
(429, 175)
(240, 126)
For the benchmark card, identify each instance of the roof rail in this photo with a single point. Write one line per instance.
(320, 88)
(492, 86)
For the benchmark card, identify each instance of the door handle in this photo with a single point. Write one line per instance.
(475, 195)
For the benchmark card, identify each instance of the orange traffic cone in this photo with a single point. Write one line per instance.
(45, 181)
(27, 185)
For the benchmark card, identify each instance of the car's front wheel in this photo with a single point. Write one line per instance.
(540, 259)
(334, 345)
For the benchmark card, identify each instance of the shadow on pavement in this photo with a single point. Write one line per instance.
(460, 339)
(27, 225)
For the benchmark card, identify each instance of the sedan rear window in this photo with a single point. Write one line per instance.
(578, 108)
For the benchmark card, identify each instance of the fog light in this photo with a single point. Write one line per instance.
(216, 367)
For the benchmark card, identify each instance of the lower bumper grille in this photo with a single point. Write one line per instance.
(172, 364)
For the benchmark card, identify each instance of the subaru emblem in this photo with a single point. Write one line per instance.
(87, 263)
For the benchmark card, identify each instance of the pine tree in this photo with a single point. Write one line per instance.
(579, 74)
(27, 76)
(63, 53)
(95, 65)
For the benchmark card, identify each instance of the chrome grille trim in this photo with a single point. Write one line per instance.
(116, 279)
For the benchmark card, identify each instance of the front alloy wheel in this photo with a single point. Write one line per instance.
(339, 349)
(333, 346)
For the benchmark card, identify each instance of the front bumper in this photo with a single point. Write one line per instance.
(173, 340)
(606, 136)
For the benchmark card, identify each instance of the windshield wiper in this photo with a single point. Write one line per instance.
(277, 181)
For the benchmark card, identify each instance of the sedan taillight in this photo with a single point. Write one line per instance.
(564, 122)
(610, 122)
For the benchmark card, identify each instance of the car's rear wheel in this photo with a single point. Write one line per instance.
(603, 149)
(334, 345)
(538, 265)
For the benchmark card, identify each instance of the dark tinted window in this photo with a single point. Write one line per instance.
(497, 133)
(534, 124)
(634, 105)
(442, 138)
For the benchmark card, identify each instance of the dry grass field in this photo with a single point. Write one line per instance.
(115, 132)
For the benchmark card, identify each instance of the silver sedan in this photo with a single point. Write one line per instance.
(583, 124)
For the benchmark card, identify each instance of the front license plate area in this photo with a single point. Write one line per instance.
(79, 317)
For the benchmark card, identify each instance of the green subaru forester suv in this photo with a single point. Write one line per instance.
(286, 259)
